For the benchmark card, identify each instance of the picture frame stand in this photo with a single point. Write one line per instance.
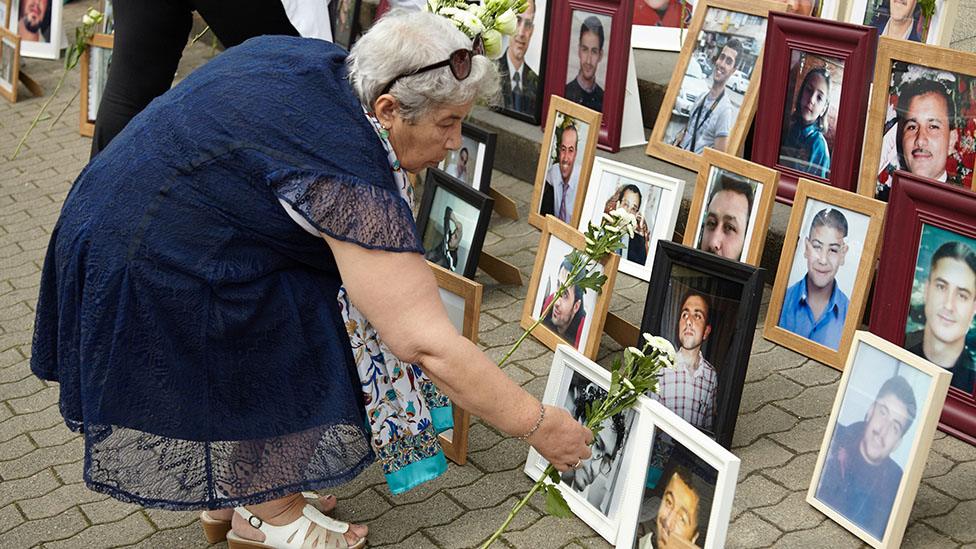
(620, 330)
(499, 269)
(504, 205)
(632, 130)
(31, 84)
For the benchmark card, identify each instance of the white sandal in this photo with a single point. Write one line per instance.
(216, 530)
(312, 529)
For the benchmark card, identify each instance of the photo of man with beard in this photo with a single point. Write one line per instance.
(567, 316)
(520, 84)
(562, 178)
(34, 20)
(584, 87)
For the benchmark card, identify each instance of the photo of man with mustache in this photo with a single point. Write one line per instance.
(927, 132)
(34, 20)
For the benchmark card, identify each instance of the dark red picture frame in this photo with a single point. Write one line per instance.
(855, 45)
(616, 54)
(915, 201)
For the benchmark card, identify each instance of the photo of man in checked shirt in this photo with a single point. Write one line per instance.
(689, 389)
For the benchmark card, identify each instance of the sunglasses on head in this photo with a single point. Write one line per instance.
(459, 62)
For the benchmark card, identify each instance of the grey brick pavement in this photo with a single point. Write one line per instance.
(785, 404)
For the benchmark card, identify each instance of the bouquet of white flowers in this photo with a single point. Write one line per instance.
(492, 19)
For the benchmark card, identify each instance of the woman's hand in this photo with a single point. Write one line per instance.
(561, 440)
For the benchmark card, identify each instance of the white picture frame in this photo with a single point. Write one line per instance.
(939, 31)
(655, 418)
(567, 363)
(659, 205)
(662, 38)
(49, 49)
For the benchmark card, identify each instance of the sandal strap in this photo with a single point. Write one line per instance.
(293, 534)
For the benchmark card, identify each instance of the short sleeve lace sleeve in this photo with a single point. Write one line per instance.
(350, 209)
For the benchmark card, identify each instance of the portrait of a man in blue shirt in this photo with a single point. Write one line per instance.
(815, 307)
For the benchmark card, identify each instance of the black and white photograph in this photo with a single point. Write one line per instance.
(473, 161)
(452, 221)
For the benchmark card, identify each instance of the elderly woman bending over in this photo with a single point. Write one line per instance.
(235, 300)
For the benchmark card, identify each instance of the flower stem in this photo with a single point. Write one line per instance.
(518, 506)
(65, 109)
(39, 113)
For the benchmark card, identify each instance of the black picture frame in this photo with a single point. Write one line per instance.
(482, 137)
(438, 180)
(732, 374)
(353, 31)
(535, 117)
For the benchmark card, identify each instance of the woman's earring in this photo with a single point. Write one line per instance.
(385, 132)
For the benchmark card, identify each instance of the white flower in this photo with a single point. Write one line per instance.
(634, 351)
(607, 218)
(589, 241)
(660, 344)
(626, 383)
(506, 23)
(87, 20)
(493, 43)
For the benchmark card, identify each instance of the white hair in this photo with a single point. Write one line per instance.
(401, 42)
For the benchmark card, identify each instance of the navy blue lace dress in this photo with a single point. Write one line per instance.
(192, 325)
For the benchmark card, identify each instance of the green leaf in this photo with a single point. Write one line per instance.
(554, 475)
(556, 504)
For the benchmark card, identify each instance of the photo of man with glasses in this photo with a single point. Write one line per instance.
(595, 480)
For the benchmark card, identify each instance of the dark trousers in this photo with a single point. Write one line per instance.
(149, 39)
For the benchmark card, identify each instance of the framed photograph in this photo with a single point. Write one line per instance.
(730, 210)
(903, 20)
(565, 160)
(814, 95)
(589, 49)
(825, 9)
(713, 90)
(522, 67)
(925, 298)
(4, 13)
(652, 197)
(660, 24)
(577, 316)
(452, 222)
(877, 440)
(344, 15)
(9, 64)
(922, 117)
(95, 61)
(595, 491)
(824, 272)
(462, 300)
(108, 18)
(472, 163)
(680, 486)
(707, 307)
(38, 24)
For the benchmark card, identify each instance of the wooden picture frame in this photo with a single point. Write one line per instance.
(534, 24)
(47, 44)
(565, 20)
(696, 454)
(732, 293)
(690, 84)
(713, 167)
(799, 46)
(474, 172)
(466, 293)
(899, 59)
(848, 279)
(557, 241)
(877, 367)
(104, 43)
(5, 14)
(658, 202)
(574, 380)
(344, 17)
(876, 13)
(448, 200)
(561, 113)
(108, 18)
(9, 65)
(920, 206)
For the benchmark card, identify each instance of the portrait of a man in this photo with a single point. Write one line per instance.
(927, 132)
(629, 197)
(726, 214)
(34, 20)
(859, 478)
(596, 478)
(898, 19)
(567, 316)
(520, 84)
(803, 7)
(950, 305)
(662, 13)
(689, 388)
(584, 88)
(562, 178)
(682, 515)
(815, 307)
(445, 251)
(713, 114)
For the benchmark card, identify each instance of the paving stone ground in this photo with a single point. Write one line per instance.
(44, 503)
